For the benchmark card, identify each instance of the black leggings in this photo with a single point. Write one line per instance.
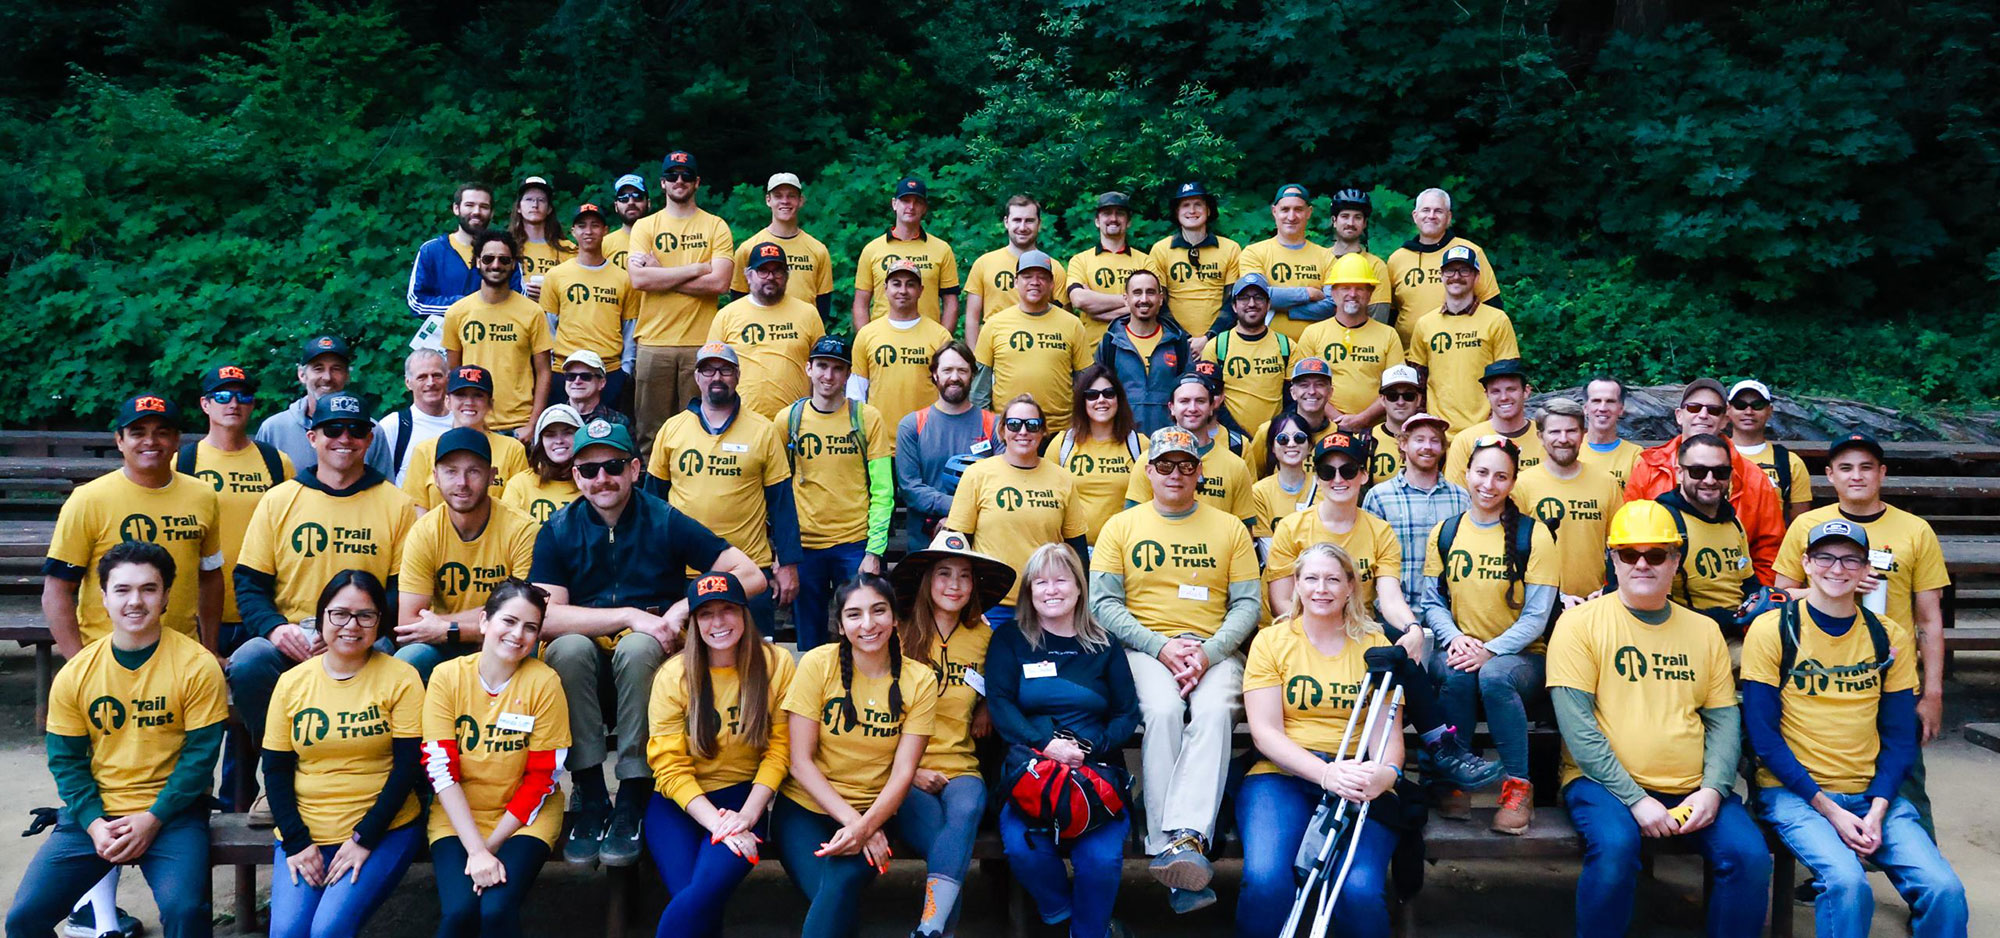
(495, 913)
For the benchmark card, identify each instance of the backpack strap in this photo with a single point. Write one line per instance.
(1222, 346)
(1284, 346)
(923, 417)
(1132, 445)
(1781, 461)
(1878, 634)
(1067, 447)
(184, 460)
(1447, 533)
(1236, 441)
(403, 433)
(793, 416)
(1788, 640)
(1680, 573)
(274, 464)
(858, 434)
(1519, 551)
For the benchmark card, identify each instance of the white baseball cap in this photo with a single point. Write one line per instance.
(784, 179)
(584, 356)
(1763, 390)
(557, 413)
(1400, 374)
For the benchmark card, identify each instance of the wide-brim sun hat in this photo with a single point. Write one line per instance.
(992, 578)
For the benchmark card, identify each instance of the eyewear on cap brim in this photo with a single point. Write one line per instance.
(616, 467)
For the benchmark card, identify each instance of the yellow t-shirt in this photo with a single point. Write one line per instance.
(341, 729)
(668, 317)
(936, 266)
(1177, 571)
(1095, 268)
(303, 536)
(510, 459)
(857, 756)
(1579, 511)
(1260, 443)
(137, 720)
(1273, 504)
(1103, 471)
(1320, 690)
(1196, 278)
(1371, 542)
(677, 772)
(530, 494)
(950, 749)
(830, 476)
(1714, 565)
(719, 479)
(1143, 344)
(1301, 265)
(1766, 458)
(1037, 354)
(457, 574)
(616, 245)
(540, 257)
(1907, 542)
(1009, 512)
(510, 339)
(1253, 378)
(182, 516)
(810, 265)
(991, 278)
(1358, 356)
(1477, 574)
(1830, 697)
(1618, 462)
(771, 343)
(1388, 457)
(240, 480)
(495, 733)
(1418, 282)
(1457, 348)
(591, 306)
(896, 363)
(1651, 683)
(1458, 456)
(1225, 483)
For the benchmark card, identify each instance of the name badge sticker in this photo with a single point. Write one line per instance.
(977, 681)
(982, 447)
(1037, 669)
(1881, 558)
(735, 447)
(1197, 593)
(516, 722)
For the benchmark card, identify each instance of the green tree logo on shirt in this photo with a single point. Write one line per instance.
(1551, 511)
(1336, 353)
(466, 730)
(309, 539)
(542, 509)
(138, 528)
(1382, 465)
(1105, 278)
(1302, 692)
(1021, 341)
(1149, 555)
(1236, 367)
(1630, 663)
(107, 713)
(1810, 676)
(1440, 343)
(1008, 499)
(309, 726)
(1180, 272)
(618, 259)
(472, 332)
(1003, 280)
(666, 241)
(885, 355)
(753, 333)
(1708, 562)
(212, 477)
(833, 716)
(1414, 277)
(1458, 566)
(1082, 464)
(888, 259)
(453, 578)
(1281, 272)
(810, 445)
(577, 293)
(689, 462)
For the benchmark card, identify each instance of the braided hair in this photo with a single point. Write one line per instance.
(879, 586)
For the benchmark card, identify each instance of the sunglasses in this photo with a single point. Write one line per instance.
(1401, 396)
(1293, 438)
(495, 260)
(1698, 473)
(1495, 441)
(680, 177)
(1653, 557)
(1328, 473)
(616, 467)
(578, 377)
(334, 431)
(628, 199)
(1848, 562)
(1017, 424)
(1758, 404)
(1167, 467)
(1713, 410)
(1100, 394)
(232, 397)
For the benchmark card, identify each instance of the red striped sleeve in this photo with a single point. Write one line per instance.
(545, 768)
(441, 763)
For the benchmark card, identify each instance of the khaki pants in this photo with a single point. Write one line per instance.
(1184, 753)
(584, 666)
(664, 379)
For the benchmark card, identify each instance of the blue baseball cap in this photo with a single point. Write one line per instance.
(1837, 529)
(464, 440)
(629, 181)
(1250, 280)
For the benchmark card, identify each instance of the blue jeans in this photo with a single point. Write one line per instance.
(1272, 813)
(699, 875)
(67, 865)
(340, 908)
(820, 571)
(425, 658)
(1037, 861)
(764, 608)
(1737, 858)
(496, 911)
(942, 826)
(1846, 906)
(832, 885)
(1503, 686)
(254, 669)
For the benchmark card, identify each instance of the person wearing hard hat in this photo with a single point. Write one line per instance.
(1351, 211)
(1357, 347)
(1651, 735)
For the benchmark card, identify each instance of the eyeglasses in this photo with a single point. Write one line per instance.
(1713, 410)
(577, 377)
(1401, 396)
(1630, 556)
(1100, 394)
(495, 260)
(1698, 473)
(1167, 467)
(627, 199)
(344, 617)
(1848, 562)
(1328, 472)
(616, 467)
(711, 370)
(1018, 424)
(232, 397)
(1292, 438)
(334, 431)
(1756, 404)
(679, 177)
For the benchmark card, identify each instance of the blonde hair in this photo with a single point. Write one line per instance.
(1046, 559)
(1355, 618)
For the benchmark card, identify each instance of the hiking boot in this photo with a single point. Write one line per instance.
(1181, 865)
(1452, 763)
(1183, 901)
(621, 842)
(1517, 807)
(82, 923)
(1452, 804)
(586, 831)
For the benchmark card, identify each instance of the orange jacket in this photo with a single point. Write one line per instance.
(1750, 493)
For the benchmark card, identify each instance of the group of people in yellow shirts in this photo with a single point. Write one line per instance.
(1161, 491)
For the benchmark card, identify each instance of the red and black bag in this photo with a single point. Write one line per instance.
(1068, 801)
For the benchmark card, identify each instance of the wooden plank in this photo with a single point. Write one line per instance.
(1972, 638)
(1986, 735)
(73, 468)
(1967, 556)
(1895, 488)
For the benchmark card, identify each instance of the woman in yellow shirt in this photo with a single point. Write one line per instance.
(1289, 489)
(1340, 463)
(1019, 501)
(496, 732)
(1101, 448)
(860, 715)
(545, 487)
(939, 594)
(1299, 692)
(714, 776)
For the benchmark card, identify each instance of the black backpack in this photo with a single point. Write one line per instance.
(1788, 638)
(1516, 553)
(274, 465)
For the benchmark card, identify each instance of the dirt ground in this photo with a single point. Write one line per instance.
(1459, 899)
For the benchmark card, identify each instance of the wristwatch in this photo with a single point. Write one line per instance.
(451, 633)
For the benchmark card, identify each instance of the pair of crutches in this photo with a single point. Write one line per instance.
(1338, 819)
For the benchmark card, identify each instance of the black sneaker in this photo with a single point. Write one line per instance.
(586, 831)
(1182, 865)
(621, 842)
(1183, 901)
(83, 924)
(1451, 762)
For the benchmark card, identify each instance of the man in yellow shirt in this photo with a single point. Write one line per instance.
(990, 283)
(906, 240)
(1357, 347)
(811, 266)
(1402, 398)
(240, 470)
(1717, 575)
(453, 558)
(505, 333)
(1750, 410)
(1198, 263)
(843, 483)
(680, 261)
(1416, 270)
(1226, 480)
(590, 303)
(631, 202)
(1576, 501)
(1603, 448)
(893, 354)
(1250, 356)
(1295, 265)
(1096, 287)
(1455, 342)
(1033, 348)
(469, 393)
(1176, 581)
(1507, 389)
(1351, 212)
(771, 331)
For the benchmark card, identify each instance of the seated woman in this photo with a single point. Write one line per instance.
(546, 486)
(1057, 683)
(496, 731)
(1298, 694)
(860, 716)
(341, 747)
(714, 777)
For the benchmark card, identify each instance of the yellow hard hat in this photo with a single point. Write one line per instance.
(1642, 522)
(1352, 268)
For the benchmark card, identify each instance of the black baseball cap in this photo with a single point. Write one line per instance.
(1357, 448)
(1504, 368)
(715, 586)
(464, 440)
(587, 210)
(680, 160)
(147, 404)
(911, 185)
(765, 252)
(1114, 200)
(325, 345)
(469, 376)
(222, 376)
(834, 347)
(339, 407)
(537, 182)
(1856, 439)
